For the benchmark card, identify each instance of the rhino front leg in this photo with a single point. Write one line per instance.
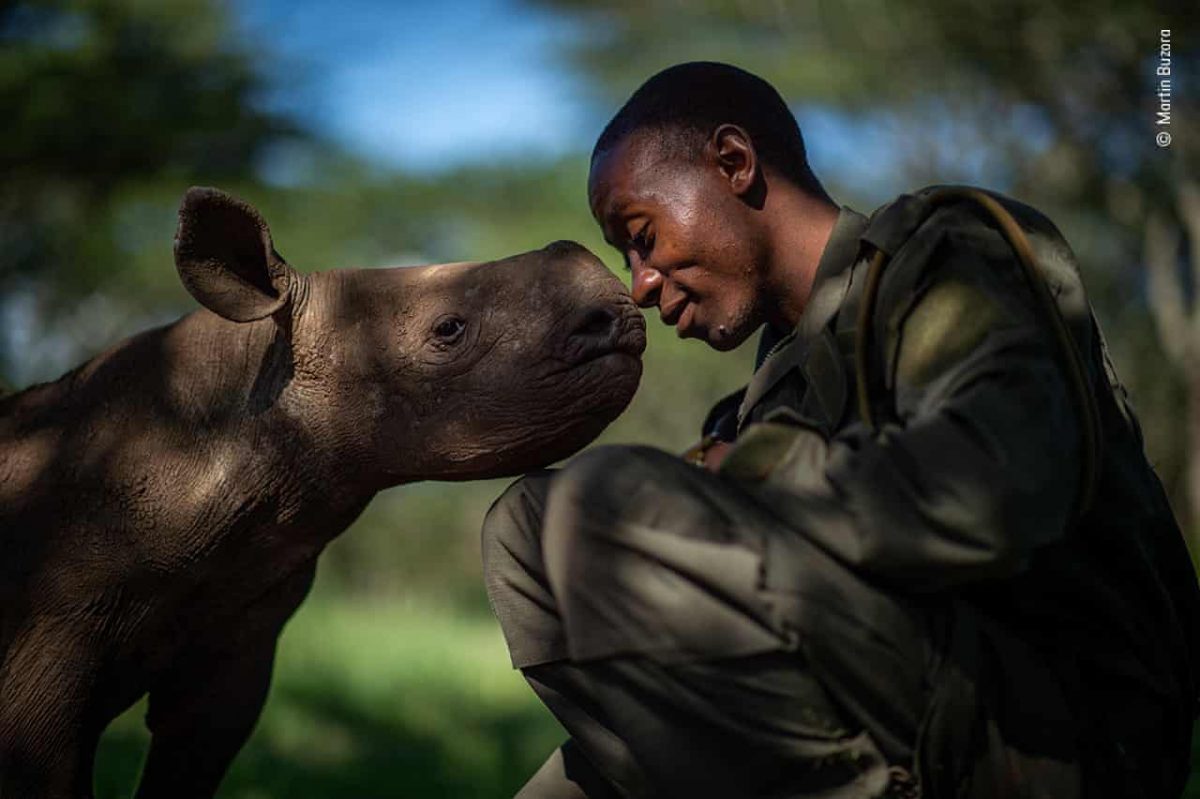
(200, 721)
(46, 744)
(50, 761)
(204, 710)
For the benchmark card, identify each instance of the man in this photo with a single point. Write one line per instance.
(966, 583)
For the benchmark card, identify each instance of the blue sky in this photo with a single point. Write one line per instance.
(428, 85)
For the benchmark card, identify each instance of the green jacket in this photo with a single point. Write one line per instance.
(967, 491)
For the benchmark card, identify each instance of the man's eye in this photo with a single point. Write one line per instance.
(641, 242)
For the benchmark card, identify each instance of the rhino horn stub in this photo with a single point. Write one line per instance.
(225, 257)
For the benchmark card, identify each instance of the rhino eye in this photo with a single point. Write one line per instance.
(449, 330)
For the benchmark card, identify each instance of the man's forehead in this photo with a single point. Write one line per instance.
(625, 171)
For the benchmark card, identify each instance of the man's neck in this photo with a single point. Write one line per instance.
(799, 226)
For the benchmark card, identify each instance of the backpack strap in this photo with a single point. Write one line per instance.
(888, 232)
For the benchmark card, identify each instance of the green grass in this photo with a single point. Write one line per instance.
(402, 701)
(391, 701)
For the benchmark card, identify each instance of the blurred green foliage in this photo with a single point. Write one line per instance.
(1051, 98)
(104, 102)
(399, 701)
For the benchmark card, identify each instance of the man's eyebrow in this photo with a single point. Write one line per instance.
(615, 217)
(613, 224)
(618, 208)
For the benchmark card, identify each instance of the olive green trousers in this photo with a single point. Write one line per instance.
(633, 595)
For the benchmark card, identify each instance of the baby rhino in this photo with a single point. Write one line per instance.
(162, 506)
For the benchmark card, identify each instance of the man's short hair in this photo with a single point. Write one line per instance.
(684, 104)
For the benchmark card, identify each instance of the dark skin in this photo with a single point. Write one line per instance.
(719, 241)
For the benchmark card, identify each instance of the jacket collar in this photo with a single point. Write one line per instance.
(829, 289)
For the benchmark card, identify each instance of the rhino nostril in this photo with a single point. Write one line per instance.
(596, 323)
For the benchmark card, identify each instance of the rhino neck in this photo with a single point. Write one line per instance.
(174, 448)
(219, 403)
(248, 393)
(347, 384)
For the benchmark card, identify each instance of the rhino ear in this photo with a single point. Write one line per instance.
(225, 257)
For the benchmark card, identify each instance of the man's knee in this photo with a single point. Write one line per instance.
(515, 576)
(619, 484)
(512, 525)
(603, 481)
(510, 542)
(588, 503)
(637, 561)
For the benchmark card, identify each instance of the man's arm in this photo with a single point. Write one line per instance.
(981, 465)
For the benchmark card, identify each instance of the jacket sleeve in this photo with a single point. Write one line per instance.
(978, 467)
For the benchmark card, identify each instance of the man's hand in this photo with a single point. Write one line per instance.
(707, 453)
(714, 455)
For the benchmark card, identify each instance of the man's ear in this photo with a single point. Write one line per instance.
(734, 153)
(225, 257)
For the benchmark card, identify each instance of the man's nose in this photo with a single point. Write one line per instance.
(647, 285)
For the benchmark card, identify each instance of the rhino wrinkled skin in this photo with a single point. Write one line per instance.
(163, 505)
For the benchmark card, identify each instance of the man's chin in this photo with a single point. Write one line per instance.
(723, 338)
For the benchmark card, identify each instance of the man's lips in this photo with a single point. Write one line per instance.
(685, 319)
(670, 316)
(680, 316)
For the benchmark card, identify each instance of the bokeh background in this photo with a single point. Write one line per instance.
(376, 133)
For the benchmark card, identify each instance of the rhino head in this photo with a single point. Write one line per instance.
(450, 371)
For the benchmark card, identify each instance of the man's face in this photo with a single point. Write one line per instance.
(686, 235)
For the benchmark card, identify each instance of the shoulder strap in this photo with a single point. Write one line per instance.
(887, 233)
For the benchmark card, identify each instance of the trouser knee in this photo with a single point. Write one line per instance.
(512, 526)
(514, 573)
(607, 491)
(642, 557)
(590, 503)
